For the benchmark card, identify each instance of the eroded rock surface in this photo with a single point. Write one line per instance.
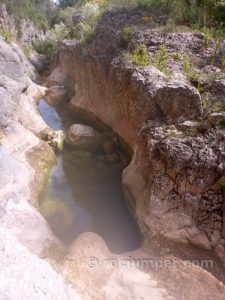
(174, 183)
(25, 161)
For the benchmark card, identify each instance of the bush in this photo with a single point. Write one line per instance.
(127, 33)
(160, 59)
(47, 48)
(40, 12)
(140, 56)
(202, 12)
(6, 35)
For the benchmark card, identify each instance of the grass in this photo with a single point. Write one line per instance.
(189, 70)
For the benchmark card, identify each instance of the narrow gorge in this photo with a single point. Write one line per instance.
(113, 172)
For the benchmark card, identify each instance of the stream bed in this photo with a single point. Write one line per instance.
(84, 194)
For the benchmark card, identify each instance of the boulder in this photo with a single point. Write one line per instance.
(56, 140)
(217, 118)
(83, 137)
(55, 95)
(218, 90)
(40, 62)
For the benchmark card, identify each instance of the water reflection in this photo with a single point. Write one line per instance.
(85, 194)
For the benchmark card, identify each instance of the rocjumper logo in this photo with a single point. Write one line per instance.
(145, 263)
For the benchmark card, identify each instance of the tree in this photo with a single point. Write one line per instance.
(66, 3)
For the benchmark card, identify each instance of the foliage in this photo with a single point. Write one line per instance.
(40, 12)
(6, 35)
(189, 70)
(140, 56)
(222, 185)
(46, 47)
(67, 3)
(127, 30)
(218, 106)
(200, 12)
(90, 12)
(221, 125)
(160, 60)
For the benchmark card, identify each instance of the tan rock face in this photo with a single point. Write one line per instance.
(173, 183)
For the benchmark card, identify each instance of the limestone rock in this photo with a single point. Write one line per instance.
(85, 138)
(216, 118)
(218, 90)
(39, 61)
(55, 95)
(56, 140)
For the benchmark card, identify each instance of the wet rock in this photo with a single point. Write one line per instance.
(83, 137)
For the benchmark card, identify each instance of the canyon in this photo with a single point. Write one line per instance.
(172, 166)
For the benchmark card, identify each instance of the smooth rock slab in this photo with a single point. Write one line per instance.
(25, 276)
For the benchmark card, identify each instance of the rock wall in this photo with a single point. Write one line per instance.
(174, 183)
(25, 161)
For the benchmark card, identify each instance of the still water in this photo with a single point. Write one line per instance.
(85, 194)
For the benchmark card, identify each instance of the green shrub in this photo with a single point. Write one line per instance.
(140, 56)
(127, 33)
(47, 48)
(6, 35)
(160, 59)
(218, 106)
(189, 70)
(41, 12)
(201, 12)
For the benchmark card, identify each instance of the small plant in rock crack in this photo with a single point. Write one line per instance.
(140, 56)
(223, 62)
(218, 106)
(160, 60)
(221, 125)
(190, 70)
(127, 31)
(222, 185)
(205, 102)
